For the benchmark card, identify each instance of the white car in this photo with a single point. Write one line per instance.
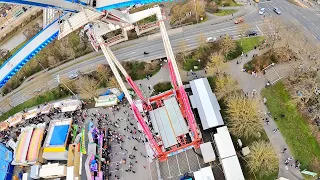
(262, 11)
(74, 74)
(211, 39)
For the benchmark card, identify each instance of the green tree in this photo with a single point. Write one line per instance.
(216, 64)
(225, 84)
(227, 45)
(243, 116)
(262, 159)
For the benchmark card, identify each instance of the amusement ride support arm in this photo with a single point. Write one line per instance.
(155, 147)
(128, 78)
(182, 96)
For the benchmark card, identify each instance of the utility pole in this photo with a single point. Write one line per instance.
(58, 79)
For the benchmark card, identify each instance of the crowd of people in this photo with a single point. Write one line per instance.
(124, 142)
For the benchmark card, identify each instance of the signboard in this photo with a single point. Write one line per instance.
(83, 143)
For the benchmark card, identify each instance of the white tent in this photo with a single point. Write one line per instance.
(206, 103)
(224, 143)
(106, 101)
(204, 174)
(31, 113)
(17, 118)
(46, 109)
(232, 169)
(207, 152)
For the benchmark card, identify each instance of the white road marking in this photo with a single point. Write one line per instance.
(169, 170)
(305, 28)
(259, 29)
(304, 16)
(178, 166)
(317, 27)
(312, 23)
(187, 161)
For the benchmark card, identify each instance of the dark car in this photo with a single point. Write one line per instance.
(277, 11)
(251, 33)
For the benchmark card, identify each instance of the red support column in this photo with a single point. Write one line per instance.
(187, 108)
(154, 145)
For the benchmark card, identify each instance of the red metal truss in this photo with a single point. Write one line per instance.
(154, 145)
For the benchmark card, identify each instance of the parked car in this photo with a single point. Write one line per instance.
(277, 11)
(239, 20)
(262, 11)
(211, 39)
(251, 33)
(74, 75)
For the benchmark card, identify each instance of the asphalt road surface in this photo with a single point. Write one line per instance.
(153, 44)
(135, 52)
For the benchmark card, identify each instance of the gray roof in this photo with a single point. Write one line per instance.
(206, 103)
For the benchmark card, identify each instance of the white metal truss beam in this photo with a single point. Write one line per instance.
(77, 20)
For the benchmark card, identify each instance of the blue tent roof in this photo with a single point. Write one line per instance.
(59, 135)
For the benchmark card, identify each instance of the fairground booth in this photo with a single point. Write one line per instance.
(55, 145)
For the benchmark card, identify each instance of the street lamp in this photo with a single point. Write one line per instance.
(58, 80)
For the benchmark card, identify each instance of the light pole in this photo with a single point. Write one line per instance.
(58, 79)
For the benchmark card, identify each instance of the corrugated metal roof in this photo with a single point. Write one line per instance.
(206, 103)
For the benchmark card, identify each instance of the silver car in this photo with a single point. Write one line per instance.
(277, 11)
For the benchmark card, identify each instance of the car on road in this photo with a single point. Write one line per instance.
(239, 20)
(74, 75)
(37, 90)
(251, 33)
(211, 39)
(262, 11)
(277, 10)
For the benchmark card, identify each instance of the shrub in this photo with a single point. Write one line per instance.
(162, 87)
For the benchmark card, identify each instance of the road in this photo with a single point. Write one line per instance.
(135, 52)
(307, 17)
(154, 45)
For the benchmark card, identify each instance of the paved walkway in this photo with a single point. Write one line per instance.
(248, 83)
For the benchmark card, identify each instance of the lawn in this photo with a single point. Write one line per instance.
(225, 12)
(248, 44)
(293, 127)
(45, 97)
(162, 87)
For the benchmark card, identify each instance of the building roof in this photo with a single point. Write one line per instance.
(206, 103)
(160, 119)
(224, 143)
(204, 174)
(177, 121)
(207, 152)
(232, 169)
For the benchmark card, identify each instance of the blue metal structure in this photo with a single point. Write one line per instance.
(6, 169)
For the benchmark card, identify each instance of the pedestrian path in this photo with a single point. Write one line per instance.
(248, 83)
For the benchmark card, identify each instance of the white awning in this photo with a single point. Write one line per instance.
(206, 103)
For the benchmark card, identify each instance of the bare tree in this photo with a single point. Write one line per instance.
(67, 84)
(201, 39)
(243, 28)
(87, 87)
(113, 83)
(183, 48)
(227, 45)
(243, 116)
(225, 84)
(262, 159)
(104, 72)
(216, 64)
